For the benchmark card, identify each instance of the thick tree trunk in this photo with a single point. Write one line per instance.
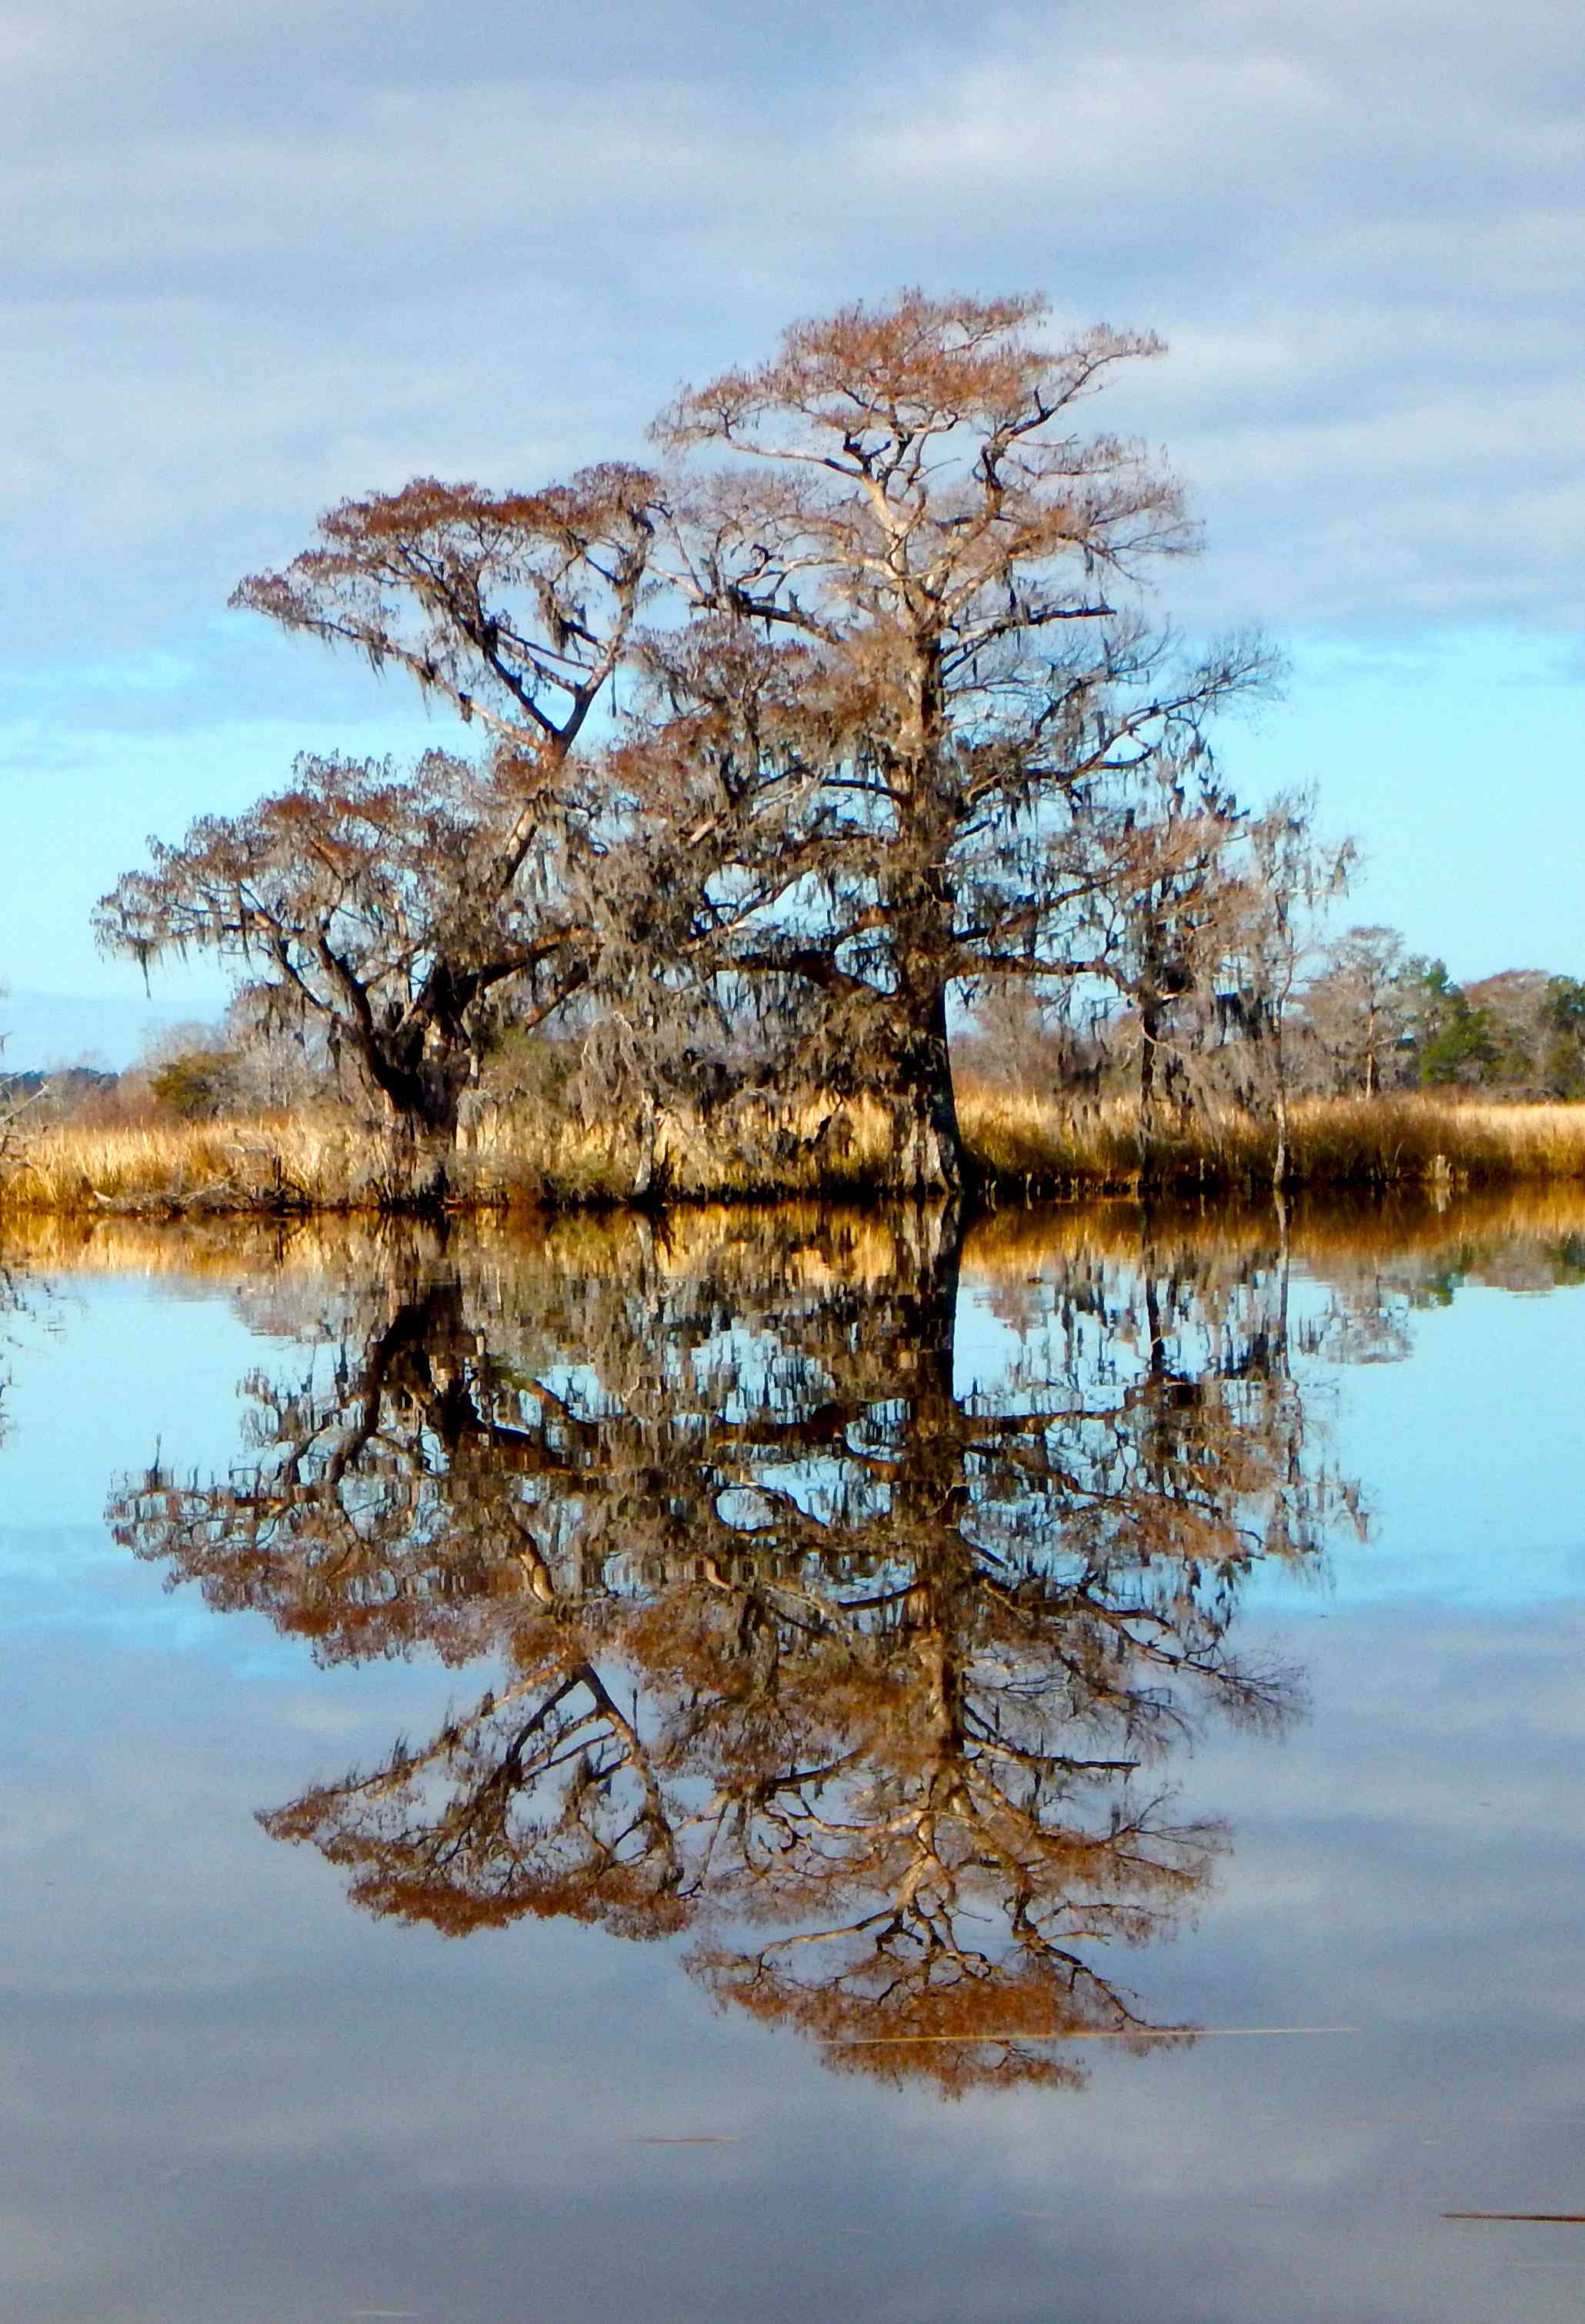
(927, 1152)
(416, 1172)
(928, 1155)
(420, 1142)
(423, 1108)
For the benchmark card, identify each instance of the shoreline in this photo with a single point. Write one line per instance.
(1022, 1146)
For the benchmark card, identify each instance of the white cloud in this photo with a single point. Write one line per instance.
(261, 257)
(245, 278)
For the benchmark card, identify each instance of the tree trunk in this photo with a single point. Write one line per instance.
(1149, 1037)
(927, 1151)
(928, 1156)
(415, 1166)
(419, 1144)
(422, 1099)
(653, 1169)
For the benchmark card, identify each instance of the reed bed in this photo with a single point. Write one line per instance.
(276, 1163)
(1023, 1139)
(1023, 1144)
(290, 1164)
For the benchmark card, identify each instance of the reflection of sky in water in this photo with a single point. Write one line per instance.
(228, 2098)
(1470, 1452)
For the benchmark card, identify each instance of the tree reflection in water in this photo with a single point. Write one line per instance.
(858, 1673)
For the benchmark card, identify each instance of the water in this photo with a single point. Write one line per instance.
(691, 1776)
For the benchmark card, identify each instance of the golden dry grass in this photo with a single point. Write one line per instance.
(274, 1163)
(1022, 1142)
(1021, 1138)
(284, 1164)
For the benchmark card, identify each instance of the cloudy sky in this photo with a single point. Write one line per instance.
(262, 256)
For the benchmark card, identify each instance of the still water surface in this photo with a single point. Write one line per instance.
(703, 1775)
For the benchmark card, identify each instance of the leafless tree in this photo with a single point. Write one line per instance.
(14, 1108)
(1358, 1007)
(1293, 877)
(1024, 1038)
(901, 508)
(1168, 897)
(354, 900)
(393, 907)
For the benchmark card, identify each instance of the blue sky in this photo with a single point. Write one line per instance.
(265, 256)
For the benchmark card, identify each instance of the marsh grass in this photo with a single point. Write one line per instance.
(1024, 1139)
(279, 1163)
(1024, 1144)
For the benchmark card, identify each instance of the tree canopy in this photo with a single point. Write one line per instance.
(366, 898)
(900, 503)
(896, 714)
(894, 728)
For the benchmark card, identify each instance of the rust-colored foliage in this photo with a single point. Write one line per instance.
(894, 721)
(902, 497)
(515, 607)
(398, 909)
(367, 900)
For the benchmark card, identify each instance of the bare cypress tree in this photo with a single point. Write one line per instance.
(1293, 877)
(902, 682)
(364, 902)
(393, 908)
(1358, 1006)
(901, 500)
(1168, 880)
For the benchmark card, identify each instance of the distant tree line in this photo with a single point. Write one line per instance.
(1366, 1019)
